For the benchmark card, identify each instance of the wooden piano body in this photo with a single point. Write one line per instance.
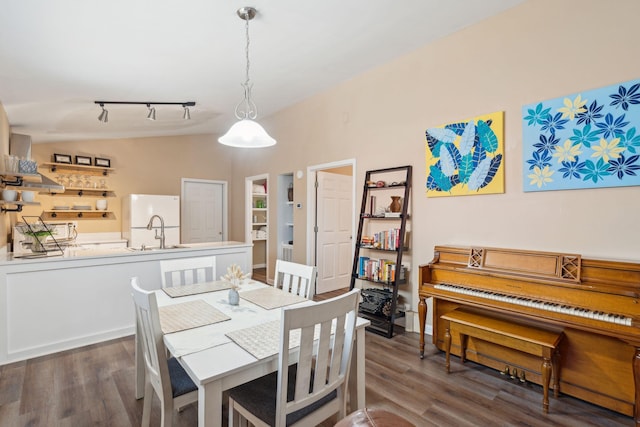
(595, 302)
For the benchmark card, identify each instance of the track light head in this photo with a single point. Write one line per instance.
(104, 115)
(152, 112)
(187, 114)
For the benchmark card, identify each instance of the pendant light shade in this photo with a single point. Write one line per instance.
(246, 133)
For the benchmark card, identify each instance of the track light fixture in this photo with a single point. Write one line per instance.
(104, 114)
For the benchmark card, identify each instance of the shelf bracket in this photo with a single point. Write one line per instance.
(18, 208)
(17, 181)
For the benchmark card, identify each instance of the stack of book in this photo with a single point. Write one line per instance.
(378, 270)
(387, 240)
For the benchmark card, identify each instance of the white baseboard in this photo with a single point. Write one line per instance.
(413, 322)
(50, 348)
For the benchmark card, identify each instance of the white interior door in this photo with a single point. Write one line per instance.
(334, 234)
(203, 211)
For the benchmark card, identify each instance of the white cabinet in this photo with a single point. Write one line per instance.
(58, 303)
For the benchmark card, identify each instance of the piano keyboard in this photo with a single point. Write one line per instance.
(542, 305)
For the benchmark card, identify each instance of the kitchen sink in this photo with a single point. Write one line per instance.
(156, 248)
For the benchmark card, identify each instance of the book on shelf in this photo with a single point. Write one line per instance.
(386, 240)
(379, 270)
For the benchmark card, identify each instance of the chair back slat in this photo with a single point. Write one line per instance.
(339, 357)
(298, 279)
(187, 271)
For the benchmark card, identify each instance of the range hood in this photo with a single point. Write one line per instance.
(20, 145)
(46, 185)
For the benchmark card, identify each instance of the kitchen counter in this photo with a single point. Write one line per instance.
(57, 303)
(80, 252)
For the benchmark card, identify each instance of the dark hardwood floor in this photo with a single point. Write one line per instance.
(259, 274)
(94, 385)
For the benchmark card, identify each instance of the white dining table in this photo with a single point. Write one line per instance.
(216, 363)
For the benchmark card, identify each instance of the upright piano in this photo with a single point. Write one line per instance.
(596, 303)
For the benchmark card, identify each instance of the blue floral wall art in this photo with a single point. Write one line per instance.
(585, 140)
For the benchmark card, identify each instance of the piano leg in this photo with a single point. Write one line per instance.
(555, 373)
(464, 339)
(422, 315)
(447, 348)
(546, 378)
(636, 378)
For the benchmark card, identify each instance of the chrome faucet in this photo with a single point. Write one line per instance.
(161, 236)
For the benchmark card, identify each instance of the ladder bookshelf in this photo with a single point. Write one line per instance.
(377, 261)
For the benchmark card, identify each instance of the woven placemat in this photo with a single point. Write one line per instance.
(269, 298)
(263, 340)
(188, 315)
(196, 288)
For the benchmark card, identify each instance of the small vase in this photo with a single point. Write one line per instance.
(395, 204)
(234, 297)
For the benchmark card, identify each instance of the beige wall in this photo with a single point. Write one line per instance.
(142, 165)
(542, 49)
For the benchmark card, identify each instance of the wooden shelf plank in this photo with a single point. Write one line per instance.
(78, 214)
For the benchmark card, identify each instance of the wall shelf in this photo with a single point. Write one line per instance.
(90, 192)
(15, 180)
(17, 205)
(78, 214)
(92, 170)
(74, 191)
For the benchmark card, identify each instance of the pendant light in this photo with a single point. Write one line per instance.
(246, 133)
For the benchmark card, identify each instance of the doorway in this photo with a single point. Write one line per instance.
(257, 220)
(203, 211)
(331, 218)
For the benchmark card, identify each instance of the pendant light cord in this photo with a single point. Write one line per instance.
(246, 50)
(246, 109)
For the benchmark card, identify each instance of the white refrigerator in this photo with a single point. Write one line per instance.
(137, 210)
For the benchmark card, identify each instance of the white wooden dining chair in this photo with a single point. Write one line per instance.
(166, 377)
(299, 279)
(187, 271)
(313, 389)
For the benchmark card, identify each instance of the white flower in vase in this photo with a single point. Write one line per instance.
(234, 277)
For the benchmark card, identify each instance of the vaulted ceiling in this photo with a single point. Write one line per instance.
(58, 57)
